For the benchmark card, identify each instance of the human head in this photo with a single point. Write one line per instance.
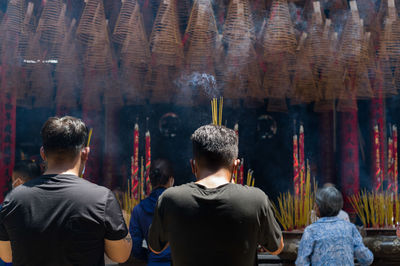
(215, 147)
(24, 171)
(161, 173)
(64, 140)
(329, 201)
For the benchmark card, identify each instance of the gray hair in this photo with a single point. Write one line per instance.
(329, 201)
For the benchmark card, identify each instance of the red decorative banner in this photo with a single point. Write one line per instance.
(378, 177)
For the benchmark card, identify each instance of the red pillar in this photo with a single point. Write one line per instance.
(349, 168)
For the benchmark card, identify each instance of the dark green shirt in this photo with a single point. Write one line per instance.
(217, 226)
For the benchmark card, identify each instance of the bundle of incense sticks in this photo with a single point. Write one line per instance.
(250, 179)
(298, 161)
(376, 209)
(294, 211)
(88, 145)
(216, 110)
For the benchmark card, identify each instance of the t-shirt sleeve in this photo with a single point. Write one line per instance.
(157, 237)
(270, 236)
(115, 226)
(3, 213)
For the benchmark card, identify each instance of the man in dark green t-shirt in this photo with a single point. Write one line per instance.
(214, 221)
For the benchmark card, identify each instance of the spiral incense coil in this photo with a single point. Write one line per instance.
(384, 79)
(165, 39)
(278, 36)
(277, 105)
(277, 81)
(324, 106)
(67, 94)
(28, 31)
(352, 38)
(13, 20)
(68, 58)
(122, 26)
(92, 91)
(92, 22)
(238, 23)
(305, 88)
(51, 25)
(159, 82)
(201, 34)
(42, 86)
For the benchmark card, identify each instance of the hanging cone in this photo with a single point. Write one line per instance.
(28, 31)
(352, 38)
(238, 23)
(279, 34)
(91, 23)
(159, 82)
(165, 39)
(13, 21)
(135, 57)
(277, 105)
(122, 26)
(323, 106)
(384, 81)
(347, 101)
(50, 27)
(277, 82)
(93, 88)
(201, 34)
(305, 89)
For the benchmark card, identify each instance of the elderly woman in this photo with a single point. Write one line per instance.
(331, 240)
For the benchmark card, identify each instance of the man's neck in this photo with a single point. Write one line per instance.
(58, 169)
(213, 179)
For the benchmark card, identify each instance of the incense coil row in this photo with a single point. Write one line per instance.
(13, 20)
(165, 39)
(52, 21)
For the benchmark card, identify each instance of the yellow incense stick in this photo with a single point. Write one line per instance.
(88, 144)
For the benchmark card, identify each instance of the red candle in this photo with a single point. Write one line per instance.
(135, 163)
(296, 166)
(148, 162)
(301, 158)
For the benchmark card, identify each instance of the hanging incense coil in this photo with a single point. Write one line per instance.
(323, 106)
(277, 81)
(347, 101)
(160, 85)
(352, 38)
(238, 23)
(92, 92)
(184, 8)
(28, 31)
(165, 39)
(122, 26)
(279, 36)
(277, 105)
(42, 86)
(51, 26)
(384, 79)
(201, 34)
(13, 21)
(92, 22)
(305, 89)
(135, 59)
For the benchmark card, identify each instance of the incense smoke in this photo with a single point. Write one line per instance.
(197, 81)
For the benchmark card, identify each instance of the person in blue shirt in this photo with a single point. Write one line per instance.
(161, 178)
(331, 240)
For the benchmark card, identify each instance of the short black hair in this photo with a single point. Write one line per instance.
(64, 136)
(329, 201)
(215, 146)
(160, 172)
(27, 169)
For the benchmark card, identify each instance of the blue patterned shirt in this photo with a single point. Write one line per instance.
(332, 241)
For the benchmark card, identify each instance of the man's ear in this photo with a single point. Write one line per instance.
(42, 154)
(85, 154)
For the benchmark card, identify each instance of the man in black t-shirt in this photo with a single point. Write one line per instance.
(59, 218)
(213, 221)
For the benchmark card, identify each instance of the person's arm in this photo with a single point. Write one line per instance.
(137, 235)
(5, 251)
(361, 252)
(270, 236)
(305, 248)
(157, 238)
(117, 240)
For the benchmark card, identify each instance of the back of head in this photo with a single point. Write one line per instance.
(160, 172)
(27, 170)
(329, 201)
(215, 147)
(63, 137)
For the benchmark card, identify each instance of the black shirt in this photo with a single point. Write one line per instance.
(60, 220)
(217, 226)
